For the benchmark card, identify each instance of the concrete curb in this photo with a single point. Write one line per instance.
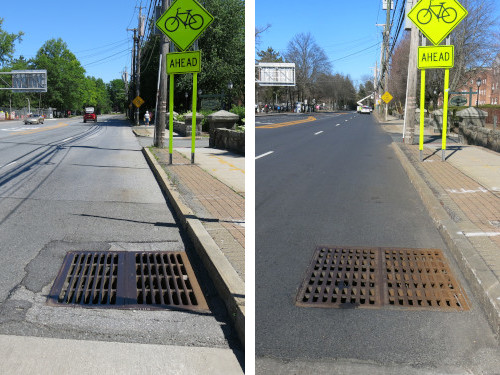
(228, 283)
(482, 281)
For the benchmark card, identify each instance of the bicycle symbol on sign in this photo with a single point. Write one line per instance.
(194, 21)
(448, 15)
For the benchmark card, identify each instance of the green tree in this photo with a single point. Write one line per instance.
(66, 86)
(117, 95)
(95, 94)
(7, 41)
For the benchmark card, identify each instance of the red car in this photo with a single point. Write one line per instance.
(89, 114)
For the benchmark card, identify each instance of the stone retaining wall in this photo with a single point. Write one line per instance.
(227, 139)
(480, 136)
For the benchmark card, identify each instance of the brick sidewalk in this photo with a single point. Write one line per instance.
(220, 209)
(475, 209)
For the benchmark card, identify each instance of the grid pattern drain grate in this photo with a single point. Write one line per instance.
(352, 277)
(131, 280)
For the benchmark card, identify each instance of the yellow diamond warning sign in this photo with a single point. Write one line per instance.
(437, 18)
(387, 97)
(138, 101)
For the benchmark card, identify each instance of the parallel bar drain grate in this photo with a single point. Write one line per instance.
(358, 277)
(127, 280)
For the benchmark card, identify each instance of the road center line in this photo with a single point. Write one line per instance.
(261, 156)
(318, 132)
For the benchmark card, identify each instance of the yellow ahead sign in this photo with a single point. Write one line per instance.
(434, 57)
(387, 97)
(437, 18)
(184, 62)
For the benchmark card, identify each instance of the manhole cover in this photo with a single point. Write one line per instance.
(131, 280)
(351, 277)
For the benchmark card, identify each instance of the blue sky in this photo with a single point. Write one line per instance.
(341, 28)
(95, 31)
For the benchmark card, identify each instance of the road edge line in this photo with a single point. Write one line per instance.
(228, 283)
(482, 281)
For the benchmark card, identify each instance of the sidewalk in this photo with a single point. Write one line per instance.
(462, 195)
(209, 200)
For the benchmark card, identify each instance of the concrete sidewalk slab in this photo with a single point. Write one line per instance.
(224, 165)
(41, 355)
(479, 164)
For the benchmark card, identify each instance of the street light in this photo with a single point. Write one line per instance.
(199, 97)
(230, 87)
(478, 83)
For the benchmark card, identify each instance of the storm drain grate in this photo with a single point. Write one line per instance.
(130, 280)
(352, 277)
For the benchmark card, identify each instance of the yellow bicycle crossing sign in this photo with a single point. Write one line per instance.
(183, 22)
(437, 18)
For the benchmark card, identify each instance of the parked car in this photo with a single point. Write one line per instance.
(33, 119)
(366, 109)
(89, 114)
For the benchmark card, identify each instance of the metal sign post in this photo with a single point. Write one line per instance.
(171, 118)
(422, 113)
(193, 123)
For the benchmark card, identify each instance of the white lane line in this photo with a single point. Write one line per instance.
(479, 234)
(318, 132)
(346, 120)
(337, 125)
(261, 156)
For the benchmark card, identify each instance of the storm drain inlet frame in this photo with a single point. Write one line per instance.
(362, 277)
(127, 280)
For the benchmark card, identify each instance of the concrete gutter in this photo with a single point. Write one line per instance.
(481, 279)
(228, 283)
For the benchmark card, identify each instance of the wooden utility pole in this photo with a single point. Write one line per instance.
(411, 88)
(163, 92)
(386, 60)
(137, 74)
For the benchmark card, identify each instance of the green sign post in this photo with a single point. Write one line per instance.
(183, 22)
(436, 21)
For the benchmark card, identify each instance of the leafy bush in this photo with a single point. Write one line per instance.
(240, 111)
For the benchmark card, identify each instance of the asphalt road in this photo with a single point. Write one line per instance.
(68, 185)
(335, 181)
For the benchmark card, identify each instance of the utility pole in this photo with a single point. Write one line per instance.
(163, 92)
(386, 60)
(137, 50)
(378, 87)
(133, 73)
(411, 88)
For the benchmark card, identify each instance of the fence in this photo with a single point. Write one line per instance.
(7, 113)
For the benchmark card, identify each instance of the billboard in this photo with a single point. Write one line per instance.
(29, 80)
(276, 74)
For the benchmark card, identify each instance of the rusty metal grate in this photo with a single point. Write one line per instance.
(352, 277)
(131, 280)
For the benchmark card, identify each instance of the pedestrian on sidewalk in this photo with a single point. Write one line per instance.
(146, 118)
